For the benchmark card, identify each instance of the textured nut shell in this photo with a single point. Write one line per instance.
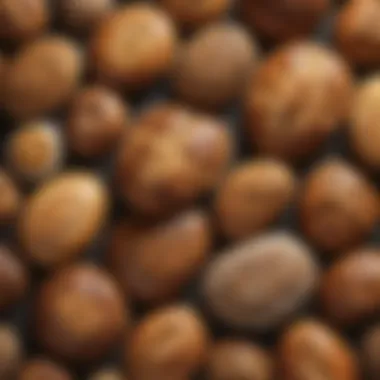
(253, 196)
(62, 217)
(338, 206)
(11, 352)
(10, 199)
(370, 350)
(310, 350)
(152, 263)
(261, 282)
(291, 110)
(38, 369)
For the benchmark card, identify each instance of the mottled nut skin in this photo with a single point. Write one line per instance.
(238, 359)
(10, 199)
(253, 196)
(364, 131)
(260, 283)
(281, 20)
(133, 47)
(291, 110)
(357, 32)
(152, 263)
(108, 374)
(11, 352)
(62, 217)
(170, 343)
(35, 151)
(97, 119)
(38, 369)
(370, 352)
(171, 157)
(22, 20)
(350, 290)
(42, 77)
(212, 68)
(80, 313)
(14, 278)
(310, 350)
(338, 206)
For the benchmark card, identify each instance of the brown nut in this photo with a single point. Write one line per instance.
(36, 151)
(134, 47)
(338, 206)
(108, 374)
(290, 111)
(260, 283)
(152, 263)
(281, 20)
(22, 20)
(239, 359)
(97, 119)
(357, 32)
(10, 200)
(80, 313)
(14, 278)
(42, 77)
(62, 217)
(253, 196)
(350, 290)
(309, 350)
(364, 130)
(11, 352)
(370, 350)
(170, 343)
(171, 158)
(212, 68)
(38, 369)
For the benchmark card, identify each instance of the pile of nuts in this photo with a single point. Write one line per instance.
(146, 239)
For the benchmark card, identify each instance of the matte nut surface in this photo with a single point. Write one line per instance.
(38, 369)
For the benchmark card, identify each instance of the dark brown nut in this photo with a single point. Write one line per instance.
(36, 151)
(97, 119)
(212, 68)
(134, 47)
(22, 20)
(237, 359)
(172, 157)
(281, 20)
(80, 313)
(310, 350)
(370, 349)
(11, 352)
(14, 278)
(10, 200)
(253, 196)
(83, 15)
(42, 77)
(170, 343)
(38, 369)
(152, 263)
(350, 290)
(189, 15)
(290, 111)
(62, 217)
(357, 32)
(108, 374)
(338, 206)
(365, 126)
(260, 283)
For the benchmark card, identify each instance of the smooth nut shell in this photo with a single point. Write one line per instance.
(108, 374)
(10, 200)
(38, 369)
(11, 352)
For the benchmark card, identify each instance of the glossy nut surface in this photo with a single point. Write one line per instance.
(10, 200)
(171, 157)
(253, 196)
(338, 206)
(62, 217)
(11, 352)
(80, 313)
(261, 282)
(291, 111)
(134, 47)
(38, 369)
(153, 262)
(370, 352)
(310, 350)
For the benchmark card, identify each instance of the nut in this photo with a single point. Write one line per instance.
(11, 352)
(37, 369)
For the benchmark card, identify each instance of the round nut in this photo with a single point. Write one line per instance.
(11, 352)
(370, 347)
(253, 196)
(338, 206)
(108, 374)
(80, 313)
(62, 217)
(134, 47)
(290, 111)
(10, 199)
(37, 369)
